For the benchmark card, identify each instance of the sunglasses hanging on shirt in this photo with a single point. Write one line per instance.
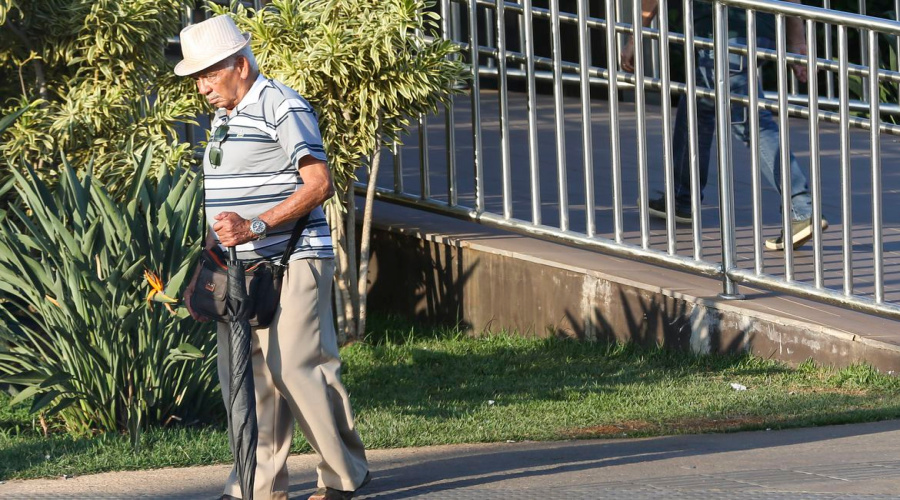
(215, 145)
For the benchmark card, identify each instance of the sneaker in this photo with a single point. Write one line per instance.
(657, 208)
(325, 493)
(801, 233)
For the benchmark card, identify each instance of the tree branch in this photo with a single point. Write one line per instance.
(38, 65)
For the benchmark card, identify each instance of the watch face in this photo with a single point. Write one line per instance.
(257, 227)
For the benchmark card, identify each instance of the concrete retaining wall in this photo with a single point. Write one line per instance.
(490, 281)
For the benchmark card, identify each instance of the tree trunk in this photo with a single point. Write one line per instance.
(346, 324)
(335, 224)
(365, 240)
(352, 305)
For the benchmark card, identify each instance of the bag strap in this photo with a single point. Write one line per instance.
(295, 237)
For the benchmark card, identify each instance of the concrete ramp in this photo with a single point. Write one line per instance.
(436, 268)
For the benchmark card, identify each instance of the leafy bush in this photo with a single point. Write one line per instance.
(97, 73)
(81, 336)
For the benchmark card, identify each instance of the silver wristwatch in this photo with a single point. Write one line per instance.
(258, 227)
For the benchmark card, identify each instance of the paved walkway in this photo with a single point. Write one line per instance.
(846, 462)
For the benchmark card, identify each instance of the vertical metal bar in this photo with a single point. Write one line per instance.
(398, 168)
(615, 160)
(863, 52)
(489, 33)
(504, 110)
(587, 148)
(640, 123)
(654, 49)
(533, 158)
(875, 139)
(753, 122)
(424, 168)
(896, 38)
(723, 146)
(815, 168)
(450, 121)
(620, 7)
(829, 54)
(846, 198)
(188, 17)
(560, 118)
(665, 98)
(456, 20)
(690, 75)
(522, 38)
(784, 150)
(476, 107)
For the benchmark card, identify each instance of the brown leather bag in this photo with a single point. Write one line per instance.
(263, 281)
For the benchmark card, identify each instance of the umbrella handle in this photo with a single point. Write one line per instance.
(232, 254)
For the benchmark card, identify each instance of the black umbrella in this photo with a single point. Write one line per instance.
(242, 429)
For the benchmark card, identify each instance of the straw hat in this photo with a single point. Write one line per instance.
(204, 44)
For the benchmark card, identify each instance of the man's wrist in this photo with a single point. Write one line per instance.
(258, 228)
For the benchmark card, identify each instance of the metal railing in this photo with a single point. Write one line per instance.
(587, 202)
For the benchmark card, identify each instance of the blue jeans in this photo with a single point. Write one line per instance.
(769, 155)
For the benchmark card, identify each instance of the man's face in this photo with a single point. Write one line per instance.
(220, 83)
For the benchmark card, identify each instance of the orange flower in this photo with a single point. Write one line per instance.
(157, 291)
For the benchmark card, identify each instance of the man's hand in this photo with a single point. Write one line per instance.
(627, 55)
(232, 229)
(798, 47)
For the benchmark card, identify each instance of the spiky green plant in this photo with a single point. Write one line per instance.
(83, 340)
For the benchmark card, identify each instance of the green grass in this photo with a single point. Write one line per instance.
(413, 386)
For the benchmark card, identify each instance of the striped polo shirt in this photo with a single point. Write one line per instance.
(269, 131)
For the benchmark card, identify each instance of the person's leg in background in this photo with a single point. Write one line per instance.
(681, 164)
(770, 164)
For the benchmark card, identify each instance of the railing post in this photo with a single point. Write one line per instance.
(450, 123)
(560, 116)
(723, 146)
(587, 145)
(476, 107)
(615, 161)
(534, 164)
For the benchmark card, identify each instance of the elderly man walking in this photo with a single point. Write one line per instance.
(264, 168)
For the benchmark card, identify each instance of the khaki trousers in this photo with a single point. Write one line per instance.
(296, 372)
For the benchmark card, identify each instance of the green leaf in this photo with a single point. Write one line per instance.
(183, 352)
(55, 380)
(45, 399)
(60, 406)
(8, 120)
(25, 394)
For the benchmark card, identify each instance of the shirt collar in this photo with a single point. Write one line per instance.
(252, 96)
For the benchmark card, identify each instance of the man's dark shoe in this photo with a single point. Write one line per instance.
(657, 208)
(333, 494)
(801, 233)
